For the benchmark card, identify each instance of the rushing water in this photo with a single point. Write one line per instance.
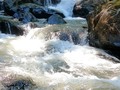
(65, 6)
(47, 2)
(54, 64)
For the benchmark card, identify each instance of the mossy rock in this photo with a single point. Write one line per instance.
(104, 27)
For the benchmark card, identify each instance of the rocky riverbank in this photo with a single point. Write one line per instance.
(103, 23)
(17, 12)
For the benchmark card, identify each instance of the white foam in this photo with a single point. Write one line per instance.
(65, 6)
(51, 70)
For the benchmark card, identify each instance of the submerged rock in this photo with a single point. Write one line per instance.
(73, 33)
(11, 81)
(58, 65)
(20, 85)
(55, 19)
(72, 37)
(104, 27)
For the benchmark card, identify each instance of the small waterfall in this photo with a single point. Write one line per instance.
(9, 29)
(65, 6)
(47, 2)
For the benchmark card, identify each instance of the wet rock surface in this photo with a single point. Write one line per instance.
(91, 5)
(64, 32)
(84, 7)
(28, 10)
(24, 12)
(24, 15)
(43, 12)
(38, 2)
(17, 82)
(104, 27)
(9, 27)
(1, 5)
(20, 85)
(55, 19)
(79, 11)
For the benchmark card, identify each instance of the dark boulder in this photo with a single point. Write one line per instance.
(1, 5)
(40, 12)
(46, 2)
(104, 27)
(43, 12)
(8, 27)
(64, 36)
(9, 3)
(72, 37)
(52, 11)
(22, 84)
(23, 14)
(91, 5)
(28, 11)
(82, 8)
(55, 19)
(8, 8)
(56, 1)
(80, 12)
(12, 3)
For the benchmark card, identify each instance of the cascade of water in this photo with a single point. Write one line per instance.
(65, 6)
(42, 61)
(9, 28)
(47, 2)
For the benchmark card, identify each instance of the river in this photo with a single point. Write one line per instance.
(54, 64)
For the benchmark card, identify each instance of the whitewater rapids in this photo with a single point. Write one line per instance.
(54, 64)
(49, 63)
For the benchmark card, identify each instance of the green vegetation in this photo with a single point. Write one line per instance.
(116, 3)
